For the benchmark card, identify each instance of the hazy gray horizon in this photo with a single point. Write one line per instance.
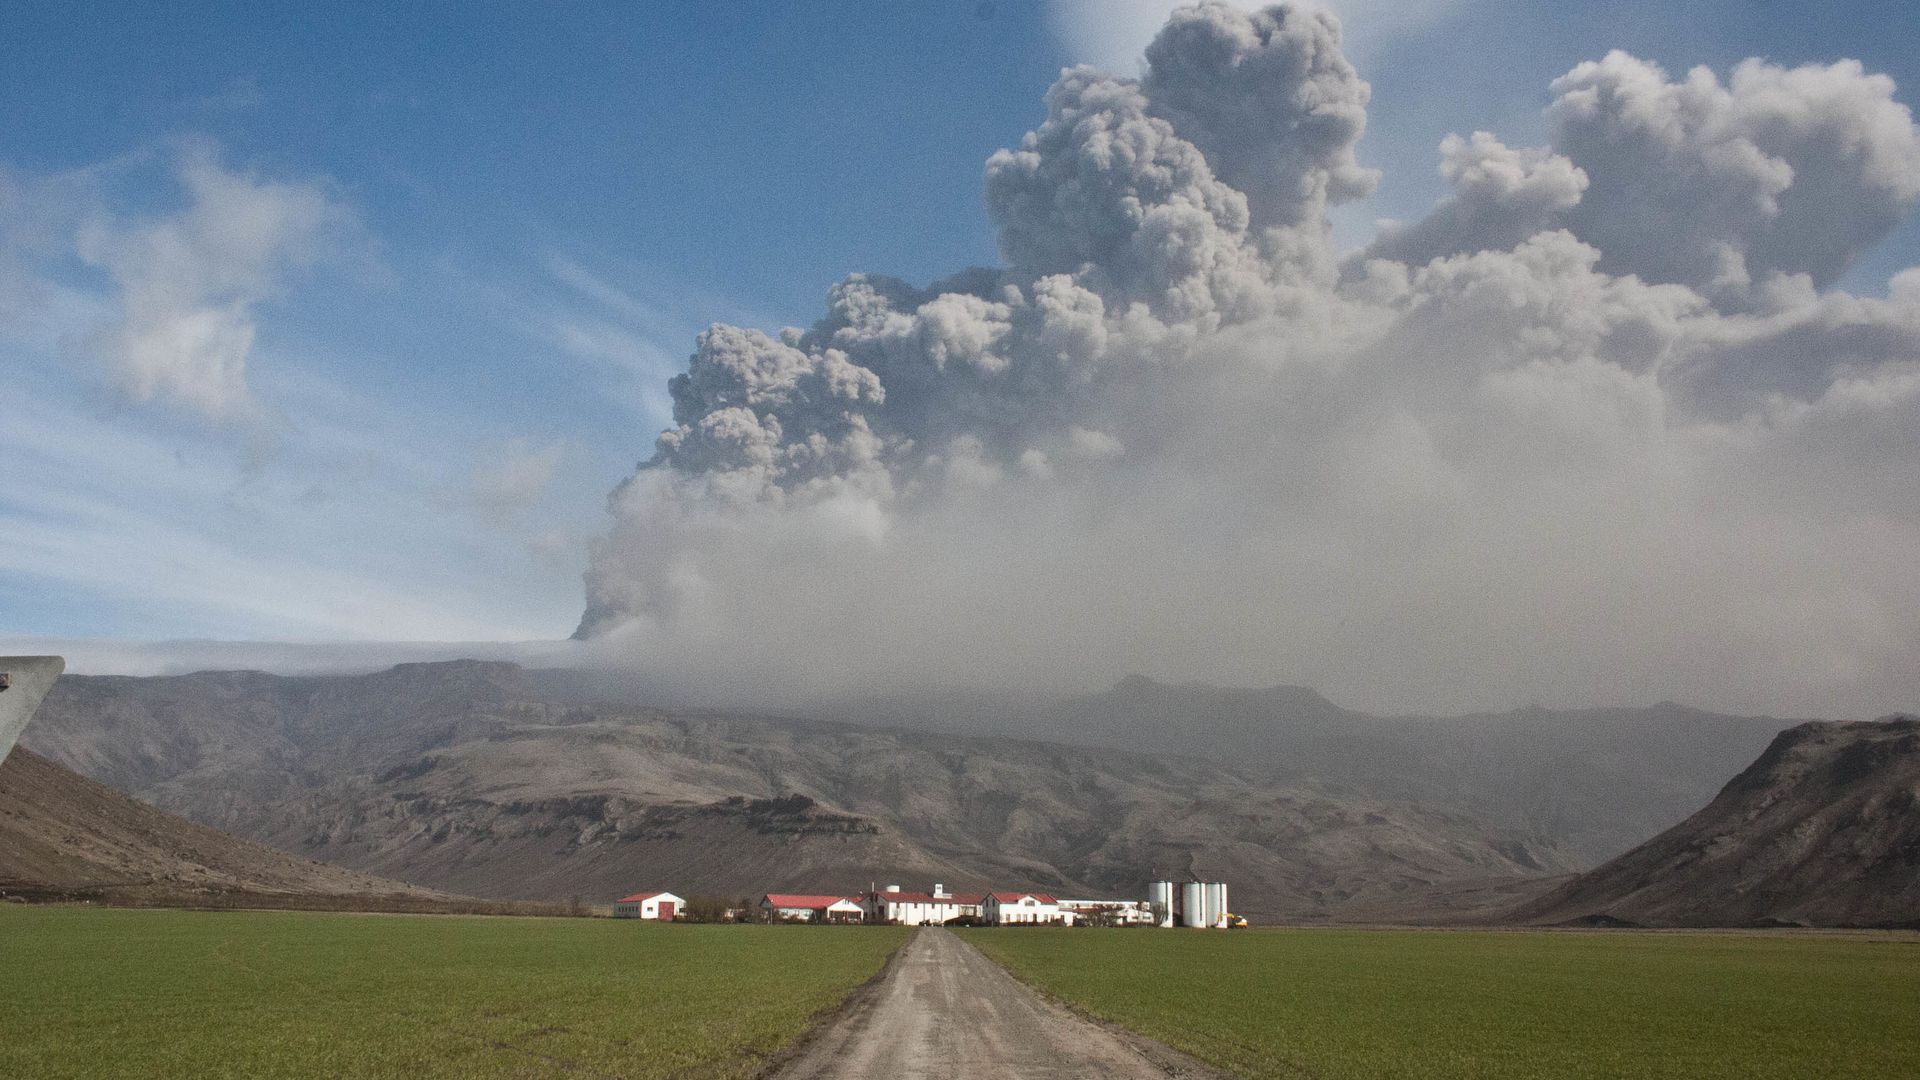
(94, 656)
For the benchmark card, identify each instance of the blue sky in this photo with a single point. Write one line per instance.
(521, 216)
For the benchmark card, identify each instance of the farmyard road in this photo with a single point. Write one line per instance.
(945, 1010)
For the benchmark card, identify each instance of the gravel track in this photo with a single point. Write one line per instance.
(942, 1009)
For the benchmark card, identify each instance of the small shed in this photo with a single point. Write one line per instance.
(648, 905)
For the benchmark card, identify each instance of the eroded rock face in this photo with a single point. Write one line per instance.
(24, 681)
(1822, 830)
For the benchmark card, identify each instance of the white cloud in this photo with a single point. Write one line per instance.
(188, 284)
(165, 265)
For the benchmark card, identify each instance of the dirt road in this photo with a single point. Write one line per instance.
(944, 1010)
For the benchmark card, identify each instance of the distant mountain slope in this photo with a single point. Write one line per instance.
(61, 833)
(1823, 829)
(1597, 781)
(465, 776)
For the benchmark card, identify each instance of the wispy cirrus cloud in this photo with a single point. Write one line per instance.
(187, 284)
(137, 292)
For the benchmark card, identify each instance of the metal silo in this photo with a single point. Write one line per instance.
(1193, 904)
(1160, 899)
(1216, 903)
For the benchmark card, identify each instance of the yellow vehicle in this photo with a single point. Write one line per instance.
(1235, 922)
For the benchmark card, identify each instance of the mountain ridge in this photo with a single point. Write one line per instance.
(1597, 781)
(1822, 829)
(467, 777)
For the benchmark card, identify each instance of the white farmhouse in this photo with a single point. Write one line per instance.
(648, 905)
(891, 905)
(1008, 908)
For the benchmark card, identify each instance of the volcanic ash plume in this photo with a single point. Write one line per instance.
(1597, 428)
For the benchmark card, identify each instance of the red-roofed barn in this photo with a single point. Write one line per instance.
(808, 907)
(648, 905)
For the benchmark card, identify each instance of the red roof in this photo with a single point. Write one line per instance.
(1016, 897)
(639, 896)
(801, 900)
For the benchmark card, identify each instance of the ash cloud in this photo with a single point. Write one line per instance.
(1777, 178)
(1597, 429)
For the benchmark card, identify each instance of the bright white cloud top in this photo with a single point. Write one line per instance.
(1597, 428)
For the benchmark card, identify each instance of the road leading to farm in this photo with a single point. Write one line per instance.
(943, 1009)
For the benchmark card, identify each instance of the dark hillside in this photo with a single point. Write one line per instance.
(63, 835)
(1822, 830)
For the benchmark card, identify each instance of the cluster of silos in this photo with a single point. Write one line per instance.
(1200, 903)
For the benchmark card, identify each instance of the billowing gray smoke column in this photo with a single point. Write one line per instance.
(1601, 425)
(27, 679)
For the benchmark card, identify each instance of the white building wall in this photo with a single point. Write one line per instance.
(1025, 910)
(914, 912)
(650, 907)
(1124, 912)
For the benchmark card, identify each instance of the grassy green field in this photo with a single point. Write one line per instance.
(117, 993)
(1350, 1003)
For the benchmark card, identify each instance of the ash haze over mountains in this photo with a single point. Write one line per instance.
(493, 780)
(1598, 427)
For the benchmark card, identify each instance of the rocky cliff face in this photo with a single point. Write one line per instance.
(1823, 830)
(468, 776)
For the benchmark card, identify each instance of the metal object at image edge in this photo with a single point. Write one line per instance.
(27, 680)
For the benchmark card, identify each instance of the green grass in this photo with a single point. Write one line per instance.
(119, 993)
(1340, 1003)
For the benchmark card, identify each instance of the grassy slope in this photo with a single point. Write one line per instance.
(1335, 1004)
(101, 993)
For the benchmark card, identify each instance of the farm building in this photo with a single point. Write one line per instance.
(1008, 908)
(1110, 912)
(891, 905)
(648, 905)
(802, 907)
